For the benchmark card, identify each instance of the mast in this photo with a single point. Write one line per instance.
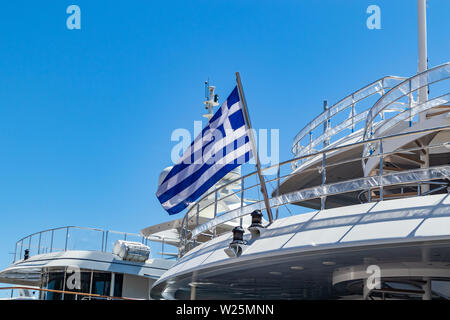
(423, 55)
(422, 97)
(255, 150)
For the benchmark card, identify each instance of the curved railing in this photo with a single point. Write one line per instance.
(76, 238)
(358, 113)
(404, 93)
(192, 229)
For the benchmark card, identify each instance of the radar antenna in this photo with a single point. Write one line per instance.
(212, 100)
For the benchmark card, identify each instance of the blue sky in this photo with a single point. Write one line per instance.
(86, 115)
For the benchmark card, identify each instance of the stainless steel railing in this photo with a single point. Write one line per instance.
(358, 112)
(78, 238)
(404, 93)
(192, 229)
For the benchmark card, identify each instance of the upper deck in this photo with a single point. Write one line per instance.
(74, 238)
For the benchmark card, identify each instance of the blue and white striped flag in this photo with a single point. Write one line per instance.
(222, 145)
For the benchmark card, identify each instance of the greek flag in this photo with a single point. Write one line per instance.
(222, 145)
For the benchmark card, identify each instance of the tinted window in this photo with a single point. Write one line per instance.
(55, 282)
(118, 285)
(101, 283)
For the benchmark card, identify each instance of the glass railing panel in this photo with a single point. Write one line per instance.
(33, 244)
(134, 237)
(19, 250)
(85, 239)
(161, 250)
(58, 240)
(111, 238)
(45, 242)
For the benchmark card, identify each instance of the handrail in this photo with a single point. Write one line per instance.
(405, 89)
(320, 191)
(378, 86)
(409, 113)
(58, 228)
(326, 190)
(100, 244)
(67, 292)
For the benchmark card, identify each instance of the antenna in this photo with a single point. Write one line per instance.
(206, 88)
(212, 100)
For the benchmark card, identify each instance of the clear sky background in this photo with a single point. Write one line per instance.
(86, 115)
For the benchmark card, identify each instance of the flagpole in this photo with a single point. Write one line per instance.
(255, 150)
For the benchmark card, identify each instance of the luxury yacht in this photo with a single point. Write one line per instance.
(366, 202)
(78, 263)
